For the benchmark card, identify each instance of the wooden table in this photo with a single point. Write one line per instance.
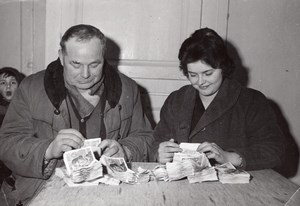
(266, 188)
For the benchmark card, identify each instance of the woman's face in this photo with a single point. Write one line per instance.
(8, 86)
(204, 78)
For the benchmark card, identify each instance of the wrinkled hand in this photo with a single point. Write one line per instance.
(66, 139)
(213, 151)
(166, 151)
(112, 148)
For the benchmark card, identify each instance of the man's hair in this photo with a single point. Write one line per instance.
(82, 32)
(207, 46)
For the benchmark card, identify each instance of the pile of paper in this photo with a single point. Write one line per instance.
(117, 168)
(227, 173)
(196, 167)
(83, 169)
(82, 165)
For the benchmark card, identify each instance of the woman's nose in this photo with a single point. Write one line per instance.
(200, 79)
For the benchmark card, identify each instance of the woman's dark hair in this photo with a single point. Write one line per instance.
(82, 32)
(12, 72)
(207, 46)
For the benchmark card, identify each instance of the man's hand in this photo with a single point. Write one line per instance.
(66, 139)
(112, 148)
(166, 151)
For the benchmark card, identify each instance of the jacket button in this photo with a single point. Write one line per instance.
(202, 130)
(120, 107)
(56, 111)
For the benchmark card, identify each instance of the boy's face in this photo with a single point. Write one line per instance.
(8, 86)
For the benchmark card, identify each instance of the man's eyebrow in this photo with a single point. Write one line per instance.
(75, 62)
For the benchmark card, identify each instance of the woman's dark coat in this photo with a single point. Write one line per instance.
(238, 119)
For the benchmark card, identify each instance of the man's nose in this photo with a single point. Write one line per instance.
(85, 72)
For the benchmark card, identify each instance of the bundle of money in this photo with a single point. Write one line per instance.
(118, 169)
(227, 173)
(160, 173)
(187, 166)
(81, 165)
(94, 144)
(207, 174)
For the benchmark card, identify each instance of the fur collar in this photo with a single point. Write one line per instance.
(56, 90)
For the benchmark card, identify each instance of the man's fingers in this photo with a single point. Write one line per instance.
(71, 143)
(71, 131)
(111, 151)
(104, 144)
(66, 148)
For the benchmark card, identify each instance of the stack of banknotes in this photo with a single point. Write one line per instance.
(82, 168)
(197, 168)
(227, 173)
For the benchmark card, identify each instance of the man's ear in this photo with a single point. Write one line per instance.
(61, 57)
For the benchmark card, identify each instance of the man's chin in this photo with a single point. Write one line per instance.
(84, 86)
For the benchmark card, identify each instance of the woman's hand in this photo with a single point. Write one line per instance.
(166, 151)
(213, 151)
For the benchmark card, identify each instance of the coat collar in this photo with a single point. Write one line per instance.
(224, 100)
(56, 90)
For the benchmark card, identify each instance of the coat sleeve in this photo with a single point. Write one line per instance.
(266, 145)
(20, 148)
(140, 135)
(164, 129)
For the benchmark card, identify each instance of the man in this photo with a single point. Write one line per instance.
(78, 96)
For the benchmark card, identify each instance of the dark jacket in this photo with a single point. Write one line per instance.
(39, 111)
(238, 119)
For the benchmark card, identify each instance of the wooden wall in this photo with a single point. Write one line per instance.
(144, 35)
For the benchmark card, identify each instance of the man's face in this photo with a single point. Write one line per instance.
(8, 86)
(83, 63)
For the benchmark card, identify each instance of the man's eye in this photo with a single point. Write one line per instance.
(76, 65)
(2, 83)
(14, 82)
(94, 65)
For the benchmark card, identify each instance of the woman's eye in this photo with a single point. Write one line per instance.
(208, 73)
(193, 75)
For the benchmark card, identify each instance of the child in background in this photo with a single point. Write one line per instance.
(10, 79)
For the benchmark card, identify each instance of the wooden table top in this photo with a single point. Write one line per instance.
(267, 187)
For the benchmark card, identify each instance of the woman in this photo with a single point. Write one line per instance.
(232, 123)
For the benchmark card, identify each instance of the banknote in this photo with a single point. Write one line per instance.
(118, 169)
(94, 144)
(78, 158)
(81, 165)
(189, 146)
(227, 173)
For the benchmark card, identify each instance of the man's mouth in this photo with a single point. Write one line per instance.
(8, 93)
